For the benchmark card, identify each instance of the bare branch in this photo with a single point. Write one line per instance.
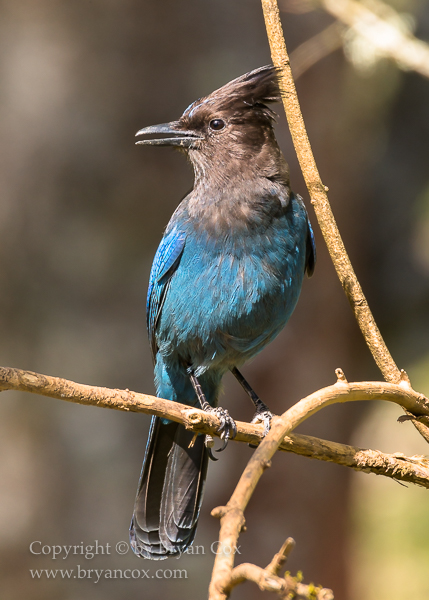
(319, 198)
(322, 208)
(224, 575)
(286, 587)
(412, 470)
(232, 515)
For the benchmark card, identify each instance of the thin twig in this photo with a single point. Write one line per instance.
(384, 30)
(279, 559)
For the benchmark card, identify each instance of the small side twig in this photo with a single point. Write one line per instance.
(279, 559)
(285, 587)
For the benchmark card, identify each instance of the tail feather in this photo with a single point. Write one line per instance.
(170, 492)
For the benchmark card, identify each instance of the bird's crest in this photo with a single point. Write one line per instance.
(252, 91)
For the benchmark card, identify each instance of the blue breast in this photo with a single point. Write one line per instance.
(233, 290)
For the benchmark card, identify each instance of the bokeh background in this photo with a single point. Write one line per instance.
(82, 210)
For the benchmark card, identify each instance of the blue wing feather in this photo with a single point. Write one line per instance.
(164, 264)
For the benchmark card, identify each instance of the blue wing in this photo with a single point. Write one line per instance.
(164, 264)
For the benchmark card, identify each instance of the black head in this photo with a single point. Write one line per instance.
(234, 120)
(243, 101)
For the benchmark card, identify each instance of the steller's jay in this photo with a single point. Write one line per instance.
(224, 281)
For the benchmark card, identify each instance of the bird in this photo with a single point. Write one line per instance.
(224, 281)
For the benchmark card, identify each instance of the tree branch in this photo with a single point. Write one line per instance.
(232, 515)
(414, 469)
(319, 198)
(224, 575)
(397, 466)
(286, 587)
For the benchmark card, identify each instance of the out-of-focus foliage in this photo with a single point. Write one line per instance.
(389, 523)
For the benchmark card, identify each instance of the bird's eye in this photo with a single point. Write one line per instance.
(216, 124)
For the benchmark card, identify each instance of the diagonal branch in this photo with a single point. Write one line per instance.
(322, 208)
(319, 198)
(232, 515)
(407, 469)
(224, 576)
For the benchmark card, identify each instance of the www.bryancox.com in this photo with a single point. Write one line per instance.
(97, 574)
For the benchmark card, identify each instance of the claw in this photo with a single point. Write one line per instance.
(227, 430)
(224, 445)
(211, 456)
(222, 426)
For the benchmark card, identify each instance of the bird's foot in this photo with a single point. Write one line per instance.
(264, 417)
(227, 429)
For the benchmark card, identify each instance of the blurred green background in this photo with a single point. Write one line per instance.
(82, 210)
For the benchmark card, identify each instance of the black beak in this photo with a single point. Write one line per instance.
(182, 137)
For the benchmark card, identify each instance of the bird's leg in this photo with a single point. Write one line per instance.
(227, 427)
(263, 413)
